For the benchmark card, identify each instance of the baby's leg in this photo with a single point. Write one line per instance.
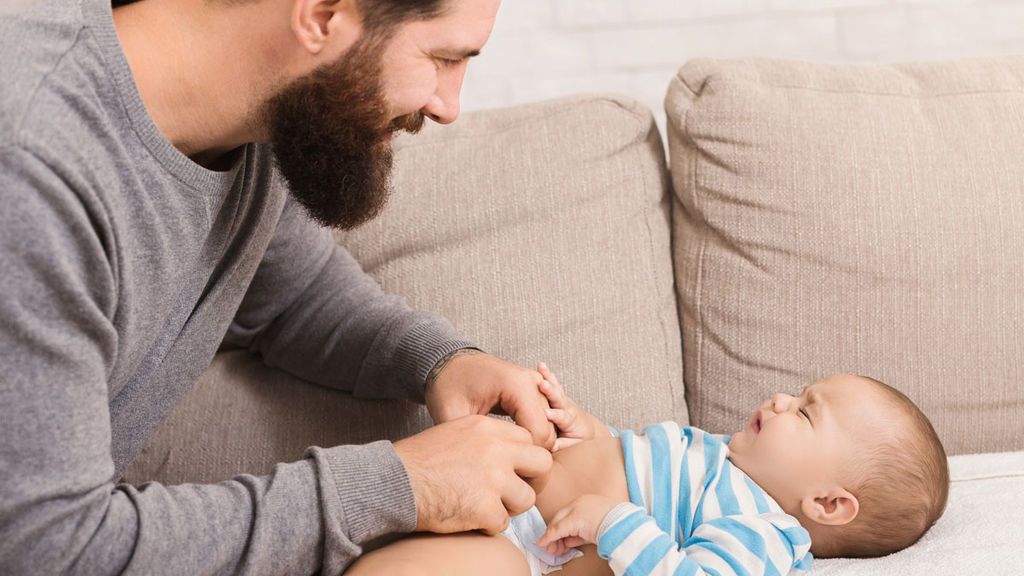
(467, 553)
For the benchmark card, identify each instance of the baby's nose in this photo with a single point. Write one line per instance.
(780, 402)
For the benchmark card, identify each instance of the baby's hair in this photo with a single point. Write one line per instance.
(901, 482)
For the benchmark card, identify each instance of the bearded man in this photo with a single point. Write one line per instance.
(169, 171)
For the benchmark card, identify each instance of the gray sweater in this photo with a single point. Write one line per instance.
(123, 267)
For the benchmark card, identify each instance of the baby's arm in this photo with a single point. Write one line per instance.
(630, 539)
(574, 424)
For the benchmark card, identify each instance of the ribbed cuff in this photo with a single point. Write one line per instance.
(366, 492)
(617, 513)
(419, 350)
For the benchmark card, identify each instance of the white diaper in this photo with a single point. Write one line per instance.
(523, 531)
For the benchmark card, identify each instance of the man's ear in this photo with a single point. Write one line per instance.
(325, 24)
(833, 507)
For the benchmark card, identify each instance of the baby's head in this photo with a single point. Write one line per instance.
(854, 460)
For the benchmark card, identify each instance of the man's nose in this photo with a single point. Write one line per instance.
(442, 109)
(444, 105)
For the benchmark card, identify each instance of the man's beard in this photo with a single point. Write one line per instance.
(331, 136)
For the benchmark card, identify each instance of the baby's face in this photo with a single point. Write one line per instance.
(797, 446)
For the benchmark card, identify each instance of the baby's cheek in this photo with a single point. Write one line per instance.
(787, 456)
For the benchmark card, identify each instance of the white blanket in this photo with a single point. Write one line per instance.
(982, 531)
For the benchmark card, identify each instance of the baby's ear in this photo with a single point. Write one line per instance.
(834, 507)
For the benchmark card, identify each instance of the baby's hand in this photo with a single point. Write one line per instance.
(576, 524)
(573, 423)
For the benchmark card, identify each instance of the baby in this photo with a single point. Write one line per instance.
(850, 467)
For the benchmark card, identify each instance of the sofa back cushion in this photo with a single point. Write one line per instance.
(540, 231)
(861, 219)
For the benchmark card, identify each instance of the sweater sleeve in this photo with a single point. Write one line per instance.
(632, 542)
(62, 509)
(312, 311)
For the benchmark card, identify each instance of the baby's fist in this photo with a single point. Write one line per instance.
(576, 524)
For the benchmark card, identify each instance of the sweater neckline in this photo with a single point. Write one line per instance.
(99, 18)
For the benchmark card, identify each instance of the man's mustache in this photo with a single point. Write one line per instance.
(411, 123)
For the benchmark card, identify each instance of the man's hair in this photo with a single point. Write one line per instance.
(901, 482)
(379, 16)
(383, 15)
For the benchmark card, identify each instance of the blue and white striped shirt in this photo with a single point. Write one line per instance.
(693, 512)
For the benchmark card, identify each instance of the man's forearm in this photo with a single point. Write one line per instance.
(312, 311)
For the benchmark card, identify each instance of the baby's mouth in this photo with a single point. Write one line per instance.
(755, 422)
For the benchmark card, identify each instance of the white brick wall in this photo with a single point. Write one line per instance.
(546, 48)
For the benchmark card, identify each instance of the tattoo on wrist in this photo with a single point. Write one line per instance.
(440, 366)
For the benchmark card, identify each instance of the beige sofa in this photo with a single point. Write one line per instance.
(811, 219)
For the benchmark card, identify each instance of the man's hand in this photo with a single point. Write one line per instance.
(472, 382)
(574, 424)
(473, 473)
(576, 524)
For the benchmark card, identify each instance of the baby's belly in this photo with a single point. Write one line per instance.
(590, 467)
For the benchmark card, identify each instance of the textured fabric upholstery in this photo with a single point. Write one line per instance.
(540, 231)
(862, 219)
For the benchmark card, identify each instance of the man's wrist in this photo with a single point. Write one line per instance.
(366, 490)
(441, 364)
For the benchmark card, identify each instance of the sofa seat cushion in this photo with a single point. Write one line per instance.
(859, 219)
